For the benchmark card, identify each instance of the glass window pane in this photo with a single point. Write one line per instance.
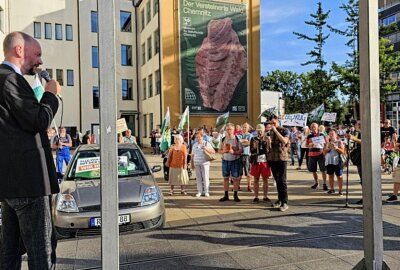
(150, 81)
(157, 82)
(125, 21)
(37, 29)
(127, 89)
(95, 57)
(143, 53)
(142, 19)
(126, 55)
(156, 41)
(68, 32)
(148, 8)
(145, 125)
(94, 21)
(50, 71)
(144, 88)
(60, 76)
(95, 95)
(47, 31)
(58, 31)
(70, 77)
(149, 48)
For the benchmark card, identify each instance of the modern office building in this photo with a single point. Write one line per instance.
(389, 14)
(163, 58)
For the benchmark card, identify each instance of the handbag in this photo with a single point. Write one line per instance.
(208, 156)
(169, 158)
(355, 156)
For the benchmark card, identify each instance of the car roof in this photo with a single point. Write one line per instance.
(84, 147)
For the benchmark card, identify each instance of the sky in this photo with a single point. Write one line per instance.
(280, 48)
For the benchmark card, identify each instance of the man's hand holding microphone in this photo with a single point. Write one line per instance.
(52, 86)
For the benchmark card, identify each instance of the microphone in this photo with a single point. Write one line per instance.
(46, 76)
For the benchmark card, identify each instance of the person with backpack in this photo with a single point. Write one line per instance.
(231, 150)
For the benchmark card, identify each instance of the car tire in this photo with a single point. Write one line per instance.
(61, 234)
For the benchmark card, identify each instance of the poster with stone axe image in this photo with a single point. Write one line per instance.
(213, 56)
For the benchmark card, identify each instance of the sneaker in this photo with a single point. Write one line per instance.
(207, 195)
(340, 194)
(171, 193)
(331, 191)
(236, 199)
(183, 192)
(360, 201)
(266, 199)
(314, 186)
(298, 168)
(198, 195)
(223, 199)
(325, 187)
(284, 207)
(277, 204)
(391, 199)
(256, 200)
(249, 189)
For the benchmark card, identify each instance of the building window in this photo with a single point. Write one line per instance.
(143, 54)
(37, 30)
(95, 57)
(156, 41)
(58, 31)
(144, 88)
(47, 31)
(125, 21)
(127, 89)
(70, 77)
(145, 125)
(60, 76)
(93, 16)
(148, 13)
(50, 71)
(151, 121)
(96, 94)
(157, 82)
(142, 20)
(389, 20)
(126, 55)
(155, 7)
(68, 32)
(150, 81)
(149, 49)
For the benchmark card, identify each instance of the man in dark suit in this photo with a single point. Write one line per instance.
(27, 171)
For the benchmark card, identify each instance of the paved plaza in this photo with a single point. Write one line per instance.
(317, 232)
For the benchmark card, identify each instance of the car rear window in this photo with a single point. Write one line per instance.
(86, 164)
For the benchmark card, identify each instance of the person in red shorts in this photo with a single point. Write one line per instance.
(259, 166)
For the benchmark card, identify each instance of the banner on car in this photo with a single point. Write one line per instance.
(213, 56)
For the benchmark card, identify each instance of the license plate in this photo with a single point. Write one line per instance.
(122, 219)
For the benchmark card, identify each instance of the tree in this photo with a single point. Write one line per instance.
(319, 22)
(319, 84)
(288, 83)
(388, 64)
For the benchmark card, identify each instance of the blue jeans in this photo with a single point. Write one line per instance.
(62, 155)
(27, 219)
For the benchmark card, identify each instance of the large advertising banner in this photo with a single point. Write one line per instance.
(213, 56)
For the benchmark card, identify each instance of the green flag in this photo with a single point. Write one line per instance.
(222, 120)
(316, 114)
(184, 119)
(37, 88)
(166, 132)
(268, 112)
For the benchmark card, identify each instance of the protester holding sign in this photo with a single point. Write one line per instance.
(333, 150)
(316, 142)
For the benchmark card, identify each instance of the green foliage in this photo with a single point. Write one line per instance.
(387, 30)
(319, 22)
(388, 64)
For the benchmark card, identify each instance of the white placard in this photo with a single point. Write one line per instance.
(320, 140)
(294, 120)
(329, 117)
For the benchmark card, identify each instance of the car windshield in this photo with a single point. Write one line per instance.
(86, 164)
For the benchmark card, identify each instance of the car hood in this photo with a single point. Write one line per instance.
(87, 192)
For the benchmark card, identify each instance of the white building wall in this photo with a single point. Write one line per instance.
(271, 99)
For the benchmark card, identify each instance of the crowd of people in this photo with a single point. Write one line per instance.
(268, 150)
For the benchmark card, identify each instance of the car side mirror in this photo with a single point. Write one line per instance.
(156, 168)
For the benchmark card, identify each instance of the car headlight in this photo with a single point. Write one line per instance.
(151, 195)
(67, 203)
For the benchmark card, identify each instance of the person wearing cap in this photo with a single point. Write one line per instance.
(259, 147)
(277, 159)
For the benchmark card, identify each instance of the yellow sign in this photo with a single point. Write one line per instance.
(121, 125)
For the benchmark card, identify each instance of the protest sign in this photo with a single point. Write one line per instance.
(121, 125)
(329, 117)
(294, 120)
(320, 140)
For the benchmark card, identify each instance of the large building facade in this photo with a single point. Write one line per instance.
(149, 56)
